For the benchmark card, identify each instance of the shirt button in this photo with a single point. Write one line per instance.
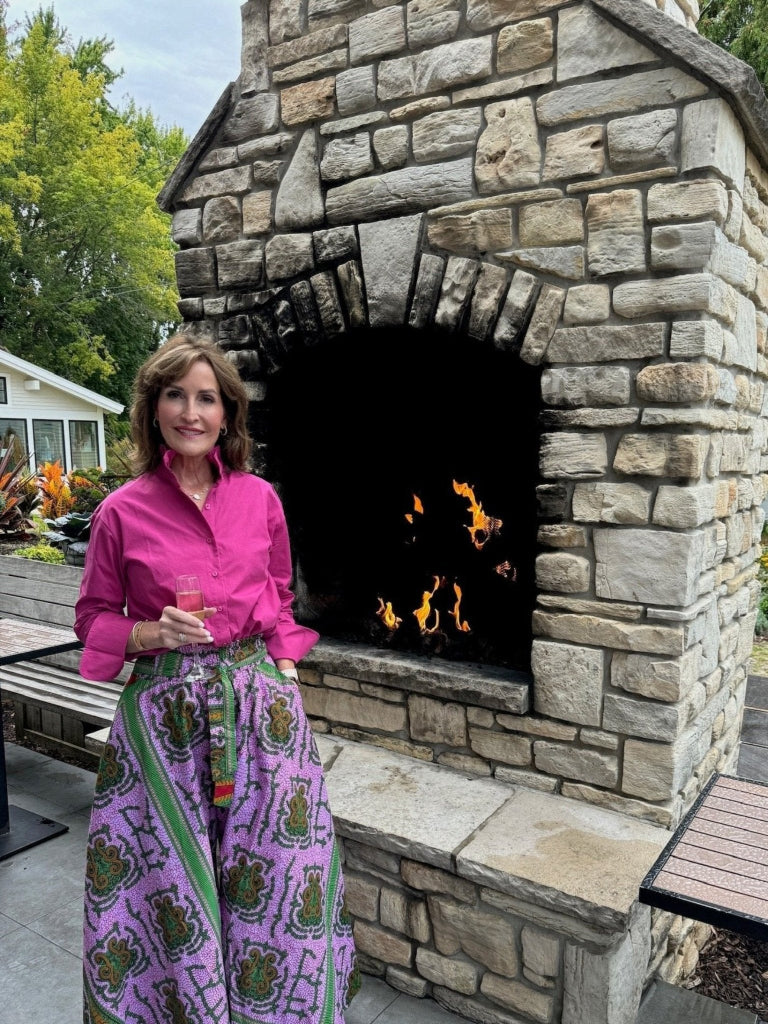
(214, 573)
(209, 540)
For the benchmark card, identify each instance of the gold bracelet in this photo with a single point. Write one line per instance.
(136, 634)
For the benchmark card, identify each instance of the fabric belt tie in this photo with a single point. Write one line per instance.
(222, 704)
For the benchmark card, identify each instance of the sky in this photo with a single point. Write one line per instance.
(177, 55)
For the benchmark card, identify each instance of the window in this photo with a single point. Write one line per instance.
(13, 431)
(49, 441)
(83, 442)
(3, 391)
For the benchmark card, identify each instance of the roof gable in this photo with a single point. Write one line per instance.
(680, 45)
(12, 362)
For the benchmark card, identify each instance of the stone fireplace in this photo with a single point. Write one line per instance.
(495, 271)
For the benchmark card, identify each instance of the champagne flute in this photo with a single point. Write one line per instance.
(189, 598)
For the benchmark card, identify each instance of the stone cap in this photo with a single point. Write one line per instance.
(195, 149)
(503, 689)
(734, 77)
(563, 863)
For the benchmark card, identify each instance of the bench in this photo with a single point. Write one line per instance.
(58, 710)
(54, 707)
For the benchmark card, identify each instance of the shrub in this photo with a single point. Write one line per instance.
(761, 623)
(120, 457)
(41, 553)
(70, 533)
(88, 489)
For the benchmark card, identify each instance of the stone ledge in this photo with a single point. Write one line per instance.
(558, 862)
(503, 689)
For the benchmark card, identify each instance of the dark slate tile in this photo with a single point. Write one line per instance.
(37, 881)
(372, 999)
(63, 927)
(754, 727)
(41, 982)
(753, 763)
(757, 692)
(668, 1004)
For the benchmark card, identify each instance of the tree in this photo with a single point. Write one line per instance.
(87, 284)
(741, 27)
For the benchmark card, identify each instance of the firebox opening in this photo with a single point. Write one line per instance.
(407, 463)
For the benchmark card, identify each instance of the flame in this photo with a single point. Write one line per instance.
(436, 627)
(417, 507)
(463, 627)
(483, 526)
(422, 613)
(506, 569)
(387, 615)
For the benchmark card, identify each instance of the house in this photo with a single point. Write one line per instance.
(52, 417)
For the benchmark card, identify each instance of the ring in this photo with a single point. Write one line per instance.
(182, 637)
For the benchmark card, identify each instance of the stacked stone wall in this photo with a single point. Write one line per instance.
(573, 183)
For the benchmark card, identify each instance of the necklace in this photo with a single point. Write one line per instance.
(199, 493)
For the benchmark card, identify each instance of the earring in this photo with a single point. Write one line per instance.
(224, 431)
(154, 422)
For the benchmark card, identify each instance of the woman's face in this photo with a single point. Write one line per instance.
(190, 412)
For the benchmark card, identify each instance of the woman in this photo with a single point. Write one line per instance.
(213, 888)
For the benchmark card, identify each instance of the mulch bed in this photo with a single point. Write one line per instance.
(732, 968)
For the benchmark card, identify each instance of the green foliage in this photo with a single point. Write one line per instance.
(740, 27)
(88, 488)
(85, 489)
(119, 457)
(41, 552)
(761, 624)
(87, 284)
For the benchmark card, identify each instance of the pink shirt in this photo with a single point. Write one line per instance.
(148, 532)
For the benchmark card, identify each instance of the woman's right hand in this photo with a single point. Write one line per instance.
(175, 628)
(178, 628)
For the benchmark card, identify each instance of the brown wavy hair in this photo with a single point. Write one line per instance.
(170, 363)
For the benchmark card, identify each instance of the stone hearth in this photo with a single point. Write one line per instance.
(581, 187)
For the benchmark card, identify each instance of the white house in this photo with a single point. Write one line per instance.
(52, 417)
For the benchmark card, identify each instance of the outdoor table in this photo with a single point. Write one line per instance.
(25, 641)
(715, 867)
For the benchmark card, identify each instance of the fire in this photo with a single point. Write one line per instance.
(387, 615)
(422, 613)
(483, 526)
(506, 569)
(463, 627)
(417, 507)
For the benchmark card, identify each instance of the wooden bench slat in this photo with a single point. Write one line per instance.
(54, 706)
(16, 675)
(46, 695)
(61, 693)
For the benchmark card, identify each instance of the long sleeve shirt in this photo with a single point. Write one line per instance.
(148, 532)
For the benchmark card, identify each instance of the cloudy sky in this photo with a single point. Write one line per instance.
(177, 55)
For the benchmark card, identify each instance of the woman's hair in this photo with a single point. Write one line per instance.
(170, 363)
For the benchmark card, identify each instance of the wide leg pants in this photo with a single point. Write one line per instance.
(214, 893)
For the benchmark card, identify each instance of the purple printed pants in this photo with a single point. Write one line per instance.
(203, 912)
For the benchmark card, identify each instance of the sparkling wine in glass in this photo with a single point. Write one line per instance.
(189, 598)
